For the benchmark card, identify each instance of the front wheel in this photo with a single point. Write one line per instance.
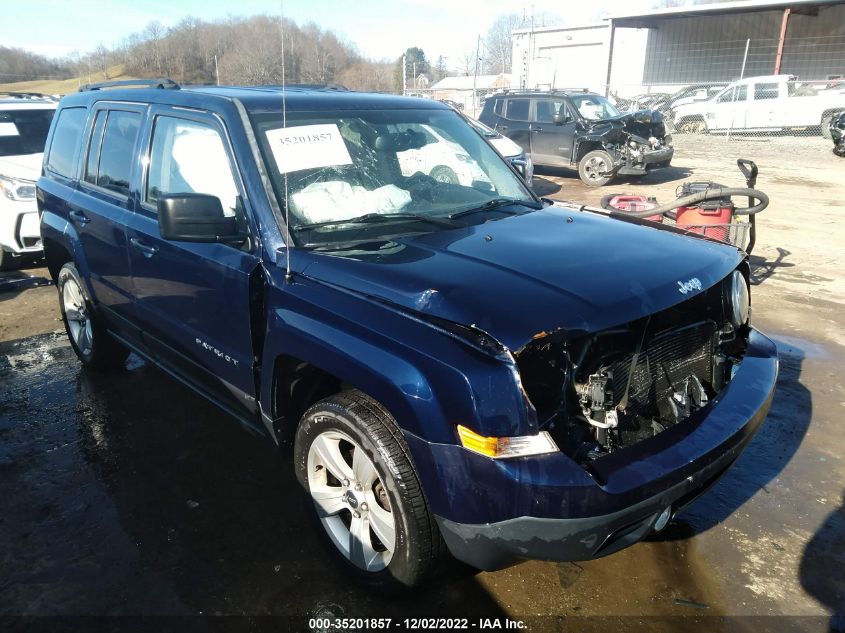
(93, 345)
(593, 167)
(353, 462)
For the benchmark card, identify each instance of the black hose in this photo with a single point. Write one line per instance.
(716, 193)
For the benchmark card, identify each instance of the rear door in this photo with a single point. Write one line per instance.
(193, 299)
(102, 206)
(514, 122)
(551, 144)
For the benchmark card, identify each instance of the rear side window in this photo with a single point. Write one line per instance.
(93, 159)
(114, 167)
(765, 91)
(517, 109)
(499, 106)
(66, 139)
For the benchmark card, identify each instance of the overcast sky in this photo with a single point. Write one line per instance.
(381, 29)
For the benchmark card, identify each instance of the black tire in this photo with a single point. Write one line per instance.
(419, 549)
(695, 125)
(590, 166)
(441, 173)
(103, 351)
(825, 125)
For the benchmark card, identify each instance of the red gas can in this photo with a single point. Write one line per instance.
(625, 203)
(699, 217)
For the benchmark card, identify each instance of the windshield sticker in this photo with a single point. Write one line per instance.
(307, 147)
(9, 129)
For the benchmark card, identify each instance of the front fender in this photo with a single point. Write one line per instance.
(427, 380)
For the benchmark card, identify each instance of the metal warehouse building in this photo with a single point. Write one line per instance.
(683, 45)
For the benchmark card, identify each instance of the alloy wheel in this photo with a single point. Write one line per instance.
(351, 501)
(78, 319)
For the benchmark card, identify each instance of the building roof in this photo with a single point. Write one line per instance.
(647, 19)
(466, 83)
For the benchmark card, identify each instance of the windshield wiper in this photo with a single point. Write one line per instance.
(373, 218)
(495, 203)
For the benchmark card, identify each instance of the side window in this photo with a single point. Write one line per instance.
(727, 96)
(499, 106)
(741, 93)
(114, 168)
(547, 108)
(92, 160)
(190, 157)
(517, 109)
(66, 139)
(765, 91)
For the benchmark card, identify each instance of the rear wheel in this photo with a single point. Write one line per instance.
(352, 460)
(5, 260)
(693, 126)
(593, 166)
(94, 346)
(825, 125)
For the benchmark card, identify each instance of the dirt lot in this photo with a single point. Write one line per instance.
(126, 494)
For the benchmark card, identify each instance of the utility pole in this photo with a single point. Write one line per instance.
(475, 77)
(404, 84)
(216, 70)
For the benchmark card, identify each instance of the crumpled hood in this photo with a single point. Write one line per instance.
(539, 272)
(643, 123)
(25, 167)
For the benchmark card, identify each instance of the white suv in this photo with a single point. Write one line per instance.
(24, 122)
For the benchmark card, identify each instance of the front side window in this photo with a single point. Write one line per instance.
(359, 174)
(24, 131)
(190, 157)
(548, 108)
(66, 140)
(114, 165)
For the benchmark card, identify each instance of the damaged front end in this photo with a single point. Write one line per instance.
(602, 392)
(637, 142)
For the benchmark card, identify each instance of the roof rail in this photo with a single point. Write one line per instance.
(543, 90)
(333, 87)
(161, 84)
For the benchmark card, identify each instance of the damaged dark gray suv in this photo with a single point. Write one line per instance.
(583, 130)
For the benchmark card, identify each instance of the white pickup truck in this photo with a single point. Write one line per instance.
(770, 103)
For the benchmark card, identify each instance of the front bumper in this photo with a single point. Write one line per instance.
(651, 160)
(558, 511)
(19, 227)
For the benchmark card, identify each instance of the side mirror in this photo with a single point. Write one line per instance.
(560, 119)
(196, 217)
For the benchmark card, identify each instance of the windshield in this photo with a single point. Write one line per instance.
(357, 175)
(24, 131)
(594, 107)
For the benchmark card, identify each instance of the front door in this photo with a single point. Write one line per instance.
(551, 143)
(193, 299)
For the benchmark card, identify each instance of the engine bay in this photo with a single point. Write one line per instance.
(602, 392)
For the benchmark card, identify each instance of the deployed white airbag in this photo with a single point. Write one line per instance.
(338, 200)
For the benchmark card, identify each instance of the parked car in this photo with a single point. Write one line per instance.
(508, 149)
(461, 369)
(837, 133)
(581, 130)
(24, 122)
(770, 103)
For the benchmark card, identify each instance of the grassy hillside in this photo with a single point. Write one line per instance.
(65, 86)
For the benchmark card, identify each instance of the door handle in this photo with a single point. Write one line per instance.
(147, 251)
(537, 129)
(79, 217)
(501, 127)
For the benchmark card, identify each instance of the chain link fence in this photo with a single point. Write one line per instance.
(730, 87)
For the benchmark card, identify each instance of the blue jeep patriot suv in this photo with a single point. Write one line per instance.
(461, 368)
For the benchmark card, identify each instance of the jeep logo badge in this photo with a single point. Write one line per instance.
(685, 287)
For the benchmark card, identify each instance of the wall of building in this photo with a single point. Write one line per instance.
(711, 48)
